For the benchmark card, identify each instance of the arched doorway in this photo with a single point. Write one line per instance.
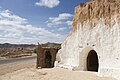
(48, 59)
(92, 61)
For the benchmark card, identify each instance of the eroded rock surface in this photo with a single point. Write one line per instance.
(96, 26)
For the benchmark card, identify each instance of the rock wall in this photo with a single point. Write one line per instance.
(96, 26)
(46, 56)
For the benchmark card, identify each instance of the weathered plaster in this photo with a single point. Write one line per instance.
(103, 39)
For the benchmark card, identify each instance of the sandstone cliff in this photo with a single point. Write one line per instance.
(95, 10)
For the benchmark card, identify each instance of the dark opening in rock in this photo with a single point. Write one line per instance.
(48, 59)
(92, 61)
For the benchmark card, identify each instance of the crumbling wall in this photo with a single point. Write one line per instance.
(41, 56)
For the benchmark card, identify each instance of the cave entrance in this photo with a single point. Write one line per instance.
(92, 61)
(48, 59)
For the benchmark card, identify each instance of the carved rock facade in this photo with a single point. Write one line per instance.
(95, 37)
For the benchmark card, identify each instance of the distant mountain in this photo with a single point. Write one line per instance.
(8, 45)
(11, 46)
(55, 45)
(8, 50)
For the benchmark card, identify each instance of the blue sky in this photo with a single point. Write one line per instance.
(32, 21)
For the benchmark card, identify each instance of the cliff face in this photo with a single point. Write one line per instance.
(96, 26)
(96, 10)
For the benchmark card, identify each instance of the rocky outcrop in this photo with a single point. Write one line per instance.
(96, 10)
(96, 26)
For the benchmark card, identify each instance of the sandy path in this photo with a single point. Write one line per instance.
(10, 67)
(50, 74)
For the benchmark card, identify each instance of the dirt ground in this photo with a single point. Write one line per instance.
(17, 56)
(11, 67)
(50, 74)
(25, 70)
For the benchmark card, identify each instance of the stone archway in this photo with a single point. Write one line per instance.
(92, 61)
(83, 65)
(48, 59)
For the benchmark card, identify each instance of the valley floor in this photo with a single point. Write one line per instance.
(50, 74)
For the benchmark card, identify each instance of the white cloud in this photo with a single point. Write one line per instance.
(15, 29)
(62, 28)
(48, 3)
(63, 18)
(69, 23)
